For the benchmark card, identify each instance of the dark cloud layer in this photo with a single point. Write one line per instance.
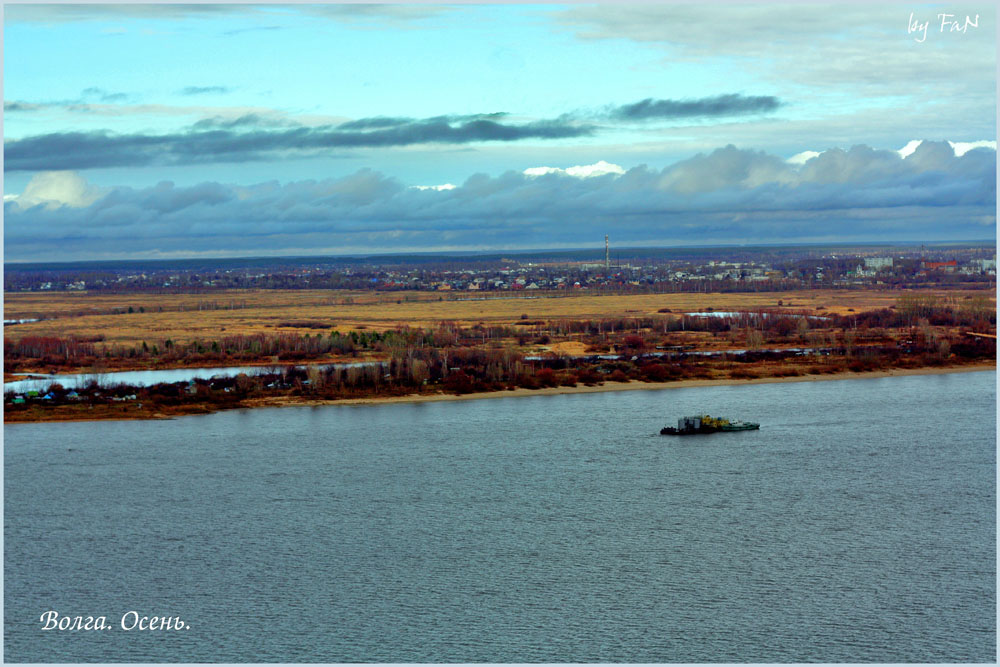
(257, 137)
(727, 196)
(381, 122)
(87, 150)
(253, 120)
(375, 123)
(707, 107)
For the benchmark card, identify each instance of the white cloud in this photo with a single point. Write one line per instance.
(803, 157)
(908, 149)
(57, 188)
(960, 147)
(599, 168)
(963, 147)
(439, 188)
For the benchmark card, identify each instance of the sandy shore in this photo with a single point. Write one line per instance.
(615, 386)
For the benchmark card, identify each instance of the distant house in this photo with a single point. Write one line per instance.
(878, 263)
(948, 267)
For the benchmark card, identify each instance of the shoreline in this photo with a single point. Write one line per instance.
(616, 386)
(636, 385)
(19, 375)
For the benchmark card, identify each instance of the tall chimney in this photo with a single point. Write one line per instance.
(607, 256)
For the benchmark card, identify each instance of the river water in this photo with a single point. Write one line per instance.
(41, 383)
(857, 525)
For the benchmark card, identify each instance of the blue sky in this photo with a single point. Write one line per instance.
(189, 130)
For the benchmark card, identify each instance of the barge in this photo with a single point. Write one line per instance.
(707, 424)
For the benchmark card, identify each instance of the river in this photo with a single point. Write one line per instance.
(857, 525)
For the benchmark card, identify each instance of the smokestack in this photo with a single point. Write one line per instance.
(607, 256)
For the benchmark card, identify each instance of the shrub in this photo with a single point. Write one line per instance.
(657, 373)
(618, 375)
(546, 377)
(568, 380)
(459, 382)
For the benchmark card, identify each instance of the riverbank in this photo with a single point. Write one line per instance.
(128, 366)
(132, 411)
(284, 401)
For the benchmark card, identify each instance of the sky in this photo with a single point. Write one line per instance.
(201, 130)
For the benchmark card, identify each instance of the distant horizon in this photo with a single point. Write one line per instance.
(847, 245)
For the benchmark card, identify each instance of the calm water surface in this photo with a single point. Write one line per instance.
(858, 525)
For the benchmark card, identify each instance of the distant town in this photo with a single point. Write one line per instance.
(725, 269)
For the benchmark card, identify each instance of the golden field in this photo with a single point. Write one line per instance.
(207, 316)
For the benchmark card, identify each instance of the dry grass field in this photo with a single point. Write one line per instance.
(186, 317)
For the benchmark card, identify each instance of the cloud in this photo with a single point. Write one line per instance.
(87, 150)
(793, 43)
(22, 106)
(254, 136)
(444, 186)
(599, 168)
(240, 31)
(211, 116)
(204, 90)
(382, 122)
(803, 157)
(61, 13)
(377, 14)
(908, 149)
(729, 195)
(53, 189)
(350, 14)
(959, 148)
(710, 107)
(81, 103)
(963, 147)
(102, 95)
(376, 123)
(246, 120)
(727, 167)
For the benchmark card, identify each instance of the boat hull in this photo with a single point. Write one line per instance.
(746, 426)
(741, 427)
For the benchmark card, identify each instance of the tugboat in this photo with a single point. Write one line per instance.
(707, 424)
